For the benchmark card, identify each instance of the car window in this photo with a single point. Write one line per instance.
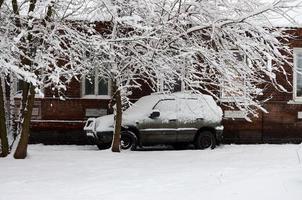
(167, 108)
(191, 109)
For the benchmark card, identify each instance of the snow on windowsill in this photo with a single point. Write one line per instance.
(37, 96)
(96, 97)
(295, 101)
(54, 121)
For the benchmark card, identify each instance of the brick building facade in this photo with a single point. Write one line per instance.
(61, 121)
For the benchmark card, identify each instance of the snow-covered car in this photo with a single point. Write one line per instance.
(178, 119)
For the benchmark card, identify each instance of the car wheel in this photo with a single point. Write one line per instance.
(128, 140)
(104, 146)
(205, 140)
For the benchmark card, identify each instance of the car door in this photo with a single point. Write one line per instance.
(161, 129)
(190, 119)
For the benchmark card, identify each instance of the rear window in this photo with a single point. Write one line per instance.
(167, 108)
(191, 108)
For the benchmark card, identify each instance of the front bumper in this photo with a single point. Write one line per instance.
(100, 137)
(219, 133)
(104, 137)
(94, 137)
(91, 137)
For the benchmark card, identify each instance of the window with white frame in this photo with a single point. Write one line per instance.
(179, 85)
(95, 87)
(18, 87)
(297, 93)
(228, 92)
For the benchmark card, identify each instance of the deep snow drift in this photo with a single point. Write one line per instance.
(83, 172)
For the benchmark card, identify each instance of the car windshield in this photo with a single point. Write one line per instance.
(144, 104)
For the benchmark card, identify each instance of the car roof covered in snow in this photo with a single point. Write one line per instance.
(146, 103)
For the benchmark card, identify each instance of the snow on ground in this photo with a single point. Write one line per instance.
(85, 173)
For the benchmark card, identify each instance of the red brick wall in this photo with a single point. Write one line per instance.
(279, 125)
(69, 109)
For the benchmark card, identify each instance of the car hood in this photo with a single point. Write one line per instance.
(106, 123)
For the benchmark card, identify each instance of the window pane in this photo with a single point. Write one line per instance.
(177, 86)
(89, 85)
(191, 108)
(167, 109)
(20, 85)
(103, 87)
(234, 88)
(299, 75)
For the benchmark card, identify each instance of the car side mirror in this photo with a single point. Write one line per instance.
(154, 114)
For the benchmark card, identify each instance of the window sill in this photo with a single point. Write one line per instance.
(96, 97)
(297, 101)
(238, 99)
(37, 96)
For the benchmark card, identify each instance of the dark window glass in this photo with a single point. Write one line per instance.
(89, 85)
(299, 75)
(103, 87)
(177, 86)
(20, 85)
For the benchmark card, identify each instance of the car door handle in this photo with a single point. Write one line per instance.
(199, 119)
(172, 120)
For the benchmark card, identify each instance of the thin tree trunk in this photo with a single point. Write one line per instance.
(118, 121)
(13, 123)
(3, 130)
(28, 90)
(21, 150)
(1, 3)
(16, 12)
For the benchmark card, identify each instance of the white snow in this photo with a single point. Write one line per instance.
(229, 172)
(288, 15)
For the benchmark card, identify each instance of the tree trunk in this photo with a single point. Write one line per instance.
(118, 122)
(3, 130)
(1, 3)
(21, 150)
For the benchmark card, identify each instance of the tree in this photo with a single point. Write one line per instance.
(3, 132)
(213, 47)
(228, 46)
(52, 48)
(7, 66)
(129, 51)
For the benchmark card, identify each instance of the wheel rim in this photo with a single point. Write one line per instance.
(126, 142)
(205, 141)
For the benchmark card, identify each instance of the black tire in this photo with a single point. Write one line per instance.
(128, 140)
(103, 146)
(205, 140)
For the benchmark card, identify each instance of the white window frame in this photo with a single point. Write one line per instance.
(226, 98)
(295, 57)
(160, 86)
(96, 85)
(17, 93)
